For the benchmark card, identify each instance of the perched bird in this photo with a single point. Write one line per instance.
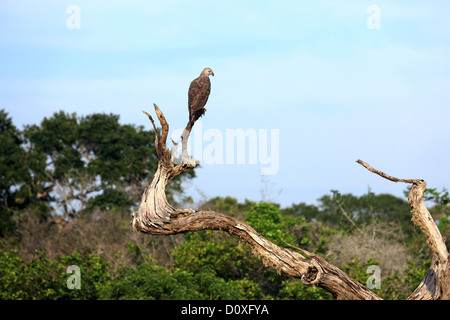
(198, 94)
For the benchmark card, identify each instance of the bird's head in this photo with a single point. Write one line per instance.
(208, 72)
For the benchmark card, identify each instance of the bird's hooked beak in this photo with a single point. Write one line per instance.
(212, 73)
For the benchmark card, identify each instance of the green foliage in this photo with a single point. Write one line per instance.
(39, 279)
(266, 220)
(415, 273)
(146, 282)
(43, 279)
(228, 205)
(109, 199)
(91, 155)
(76, 167)
(226, 257)
(307, 211)
(444, 228)
(363, 210)
(296, 290)
(151, 282)
(207, 265)
(12, 172)
(95, 275)
(392, 286)
(68, 164)
(232, 261)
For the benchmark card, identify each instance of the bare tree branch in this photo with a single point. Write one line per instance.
(156, 216)
(384, 175)
(436, 284)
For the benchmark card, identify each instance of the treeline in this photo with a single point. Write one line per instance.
(69, 184)
(69, 164)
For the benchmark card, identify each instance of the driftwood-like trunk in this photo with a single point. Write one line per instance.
(436, 284)
(156, 216)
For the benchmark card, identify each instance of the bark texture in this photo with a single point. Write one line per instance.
(436, 284)
(156, 216)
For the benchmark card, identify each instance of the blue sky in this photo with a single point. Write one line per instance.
(335, 90)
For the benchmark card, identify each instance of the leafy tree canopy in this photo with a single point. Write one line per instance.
(68, 164)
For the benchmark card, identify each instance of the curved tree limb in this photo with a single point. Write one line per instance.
(156, 216)
(436, 284)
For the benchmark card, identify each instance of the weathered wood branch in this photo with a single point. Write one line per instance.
(310, 268)
(156, 216)
(436, 284)
(154, 209)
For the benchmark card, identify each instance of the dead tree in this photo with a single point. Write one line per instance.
(156, 216)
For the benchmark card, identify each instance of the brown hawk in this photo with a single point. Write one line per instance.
(198, 94)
